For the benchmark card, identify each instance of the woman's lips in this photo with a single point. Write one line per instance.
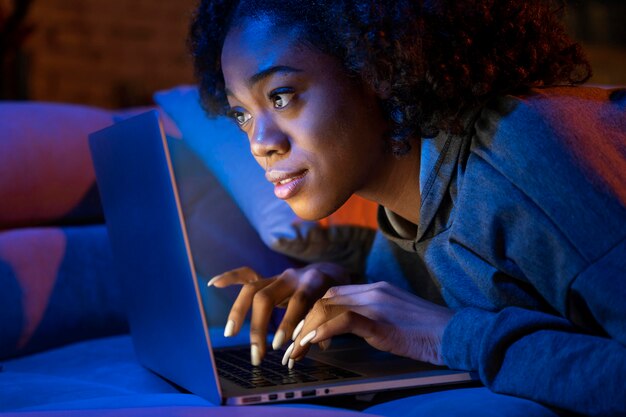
(286, 185)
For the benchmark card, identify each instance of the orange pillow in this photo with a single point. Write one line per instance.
(356, 211)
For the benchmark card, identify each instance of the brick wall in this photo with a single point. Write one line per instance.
(111, 53)
(116, 53)
(599, 25)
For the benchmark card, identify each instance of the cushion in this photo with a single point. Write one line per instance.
(344, 238)
(462, 402)
(58, 286)
(46, 174)
(103, 377)
(80, 373)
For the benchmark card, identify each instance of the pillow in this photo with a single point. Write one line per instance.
(344, 238)
(46, 174)
(58, 286)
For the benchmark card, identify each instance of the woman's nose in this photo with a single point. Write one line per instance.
(268, 139)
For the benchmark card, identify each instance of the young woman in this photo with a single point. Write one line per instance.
(461, 120)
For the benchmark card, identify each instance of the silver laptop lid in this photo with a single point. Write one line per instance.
(139, 195)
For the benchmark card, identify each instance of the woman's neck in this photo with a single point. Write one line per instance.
(396, 187)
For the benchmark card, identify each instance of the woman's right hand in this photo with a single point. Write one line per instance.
(295, 289)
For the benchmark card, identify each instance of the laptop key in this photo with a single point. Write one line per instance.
(235, 365)
(306, 378)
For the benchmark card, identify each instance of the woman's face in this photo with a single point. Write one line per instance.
(317, 133)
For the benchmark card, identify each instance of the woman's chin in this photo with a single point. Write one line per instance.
(305, 213)
(311, 210)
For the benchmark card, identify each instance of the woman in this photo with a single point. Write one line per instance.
(461, 121)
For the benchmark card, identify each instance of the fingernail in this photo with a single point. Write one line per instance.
(288, 353)
(291, 363)
(279, 338)
(228, 330)
(255, 357)
(306, 339)
(297, 330)
(212, 280)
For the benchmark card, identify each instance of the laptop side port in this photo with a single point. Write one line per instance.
(308, 393)
(248, 400)
(273, 397)
(289, 395)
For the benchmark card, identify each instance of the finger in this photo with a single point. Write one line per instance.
(297, 330)
(374, 304)
(325, 344)
(309, 287)
(289, 357)
(263, 302)
(242, 304)
(378, 289)
(324, 312)
(321, 312)
(287, 354)
(342, 290)
(298, 306)
(348, 321)
(281, 333)
(356, 299)
(244, 275)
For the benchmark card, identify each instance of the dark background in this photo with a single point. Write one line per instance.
(116, 53)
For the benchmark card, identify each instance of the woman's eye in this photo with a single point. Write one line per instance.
(280, 100)
(240, 117)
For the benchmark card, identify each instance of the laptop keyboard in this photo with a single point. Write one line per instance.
(234, 365)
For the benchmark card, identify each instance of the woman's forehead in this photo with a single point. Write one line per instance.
(255, 45)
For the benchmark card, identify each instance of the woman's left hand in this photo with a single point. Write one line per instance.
(388, 318)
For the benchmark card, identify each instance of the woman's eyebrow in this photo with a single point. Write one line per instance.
(269, 71)
(261, 75)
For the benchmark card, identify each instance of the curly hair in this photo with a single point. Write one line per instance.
(429, 61)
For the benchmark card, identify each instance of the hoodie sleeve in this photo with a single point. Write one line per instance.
(541, 232)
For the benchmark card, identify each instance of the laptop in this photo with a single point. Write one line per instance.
(166, 306)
